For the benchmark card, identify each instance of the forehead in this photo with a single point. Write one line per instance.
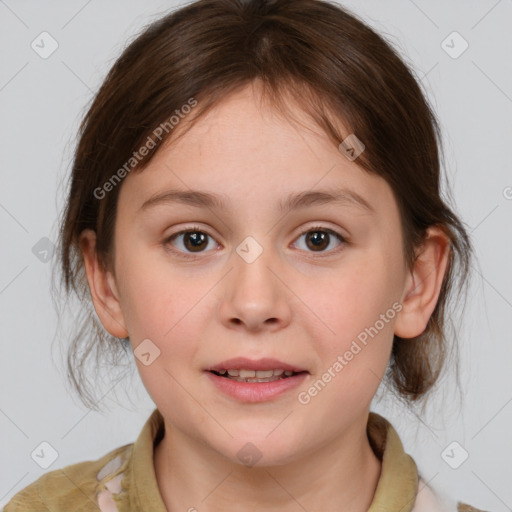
(243, 151)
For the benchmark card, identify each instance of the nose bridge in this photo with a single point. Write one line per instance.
(254, 294)
(253, 260)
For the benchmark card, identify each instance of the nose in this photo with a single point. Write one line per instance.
(255, 295)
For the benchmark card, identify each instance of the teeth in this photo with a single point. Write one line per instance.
(268, 379)
(259, 374)
(243, 375)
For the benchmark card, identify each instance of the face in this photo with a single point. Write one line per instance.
(245, 278)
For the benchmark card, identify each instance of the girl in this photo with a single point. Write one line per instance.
(255, 211)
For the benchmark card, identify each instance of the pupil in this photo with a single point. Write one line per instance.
(197, 239)
(319, 239)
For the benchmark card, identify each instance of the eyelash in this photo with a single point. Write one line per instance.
(195, 229)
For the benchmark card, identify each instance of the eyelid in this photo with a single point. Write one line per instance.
(318, 226)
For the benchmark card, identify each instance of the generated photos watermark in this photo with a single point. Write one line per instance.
(304, 397)
(138, 156)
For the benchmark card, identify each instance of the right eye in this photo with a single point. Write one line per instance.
(193, 240)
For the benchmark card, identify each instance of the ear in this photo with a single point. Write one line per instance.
(103, 288)
(423, 284)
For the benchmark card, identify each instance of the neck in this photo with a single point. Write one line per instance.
(189, 475)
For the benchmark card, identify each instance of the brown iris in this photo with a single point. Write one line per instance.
(319, 240)
(197, 239)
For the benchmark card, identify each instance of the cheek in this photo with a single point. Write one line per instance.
(353, 299)
(154, 294)
(167, 310)
(354, 316)
(355, 350)
(165, 305)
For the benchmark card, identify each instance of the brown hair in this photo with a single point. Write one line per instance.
(336, 68)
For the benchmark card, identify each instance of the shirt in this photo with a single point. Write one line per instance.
(124, 479)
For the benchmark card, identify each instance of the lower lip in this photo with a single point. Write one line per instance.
(256, 391)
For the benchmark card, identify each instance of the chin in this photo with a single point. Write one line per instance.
(261, 452)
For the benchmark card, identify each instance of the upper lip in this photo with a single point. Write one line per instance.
(242, 363)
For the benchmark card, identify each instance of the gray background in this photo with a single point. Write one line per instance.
(41, 104)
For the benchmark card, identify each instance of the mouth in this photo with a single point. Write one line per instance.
(242, 369)
(261, 387)
(256, 375)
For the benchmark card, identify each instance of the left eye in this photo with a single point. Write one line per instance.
(318, 238)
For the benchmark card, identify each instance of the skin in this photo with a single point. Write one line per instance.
(296, 303)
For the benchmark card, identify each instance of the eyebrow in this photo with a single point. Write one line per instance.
(340, 196)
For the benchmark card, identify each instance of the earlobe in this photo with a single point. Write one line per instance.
(102, 286)
(423, 284)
